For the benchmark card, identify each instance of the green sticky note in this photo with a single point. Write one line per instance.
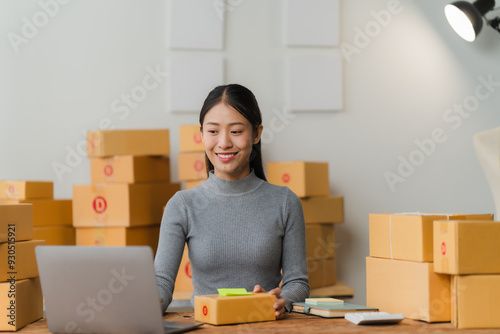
(234, 292)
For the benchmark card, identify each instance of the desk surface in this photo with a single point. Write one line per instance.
(300, 323)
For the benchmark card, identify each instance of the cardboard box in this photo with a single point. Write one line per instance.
(321, 273)
(118, 236)
(49, 212)
(190, 139)
(323, 209)
(192, 184)
(55, 235)
(217, 310)
(21, 303)
(18, 260)
(303, 178)
(192, 166)
(475, 301)
(411, 288)
(105, 143)
(320, 241)
(408, 236)
(183, 282)
(120, 204)
(130, 169)
(467, 247)
(26, 189)
(16, 222)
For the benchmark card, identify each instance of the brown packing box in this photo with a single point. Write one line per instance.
(55, 235)
(323, 209)
(26, 189)
(192, 166)
(192, 184)
(467, 247)
(190, 138)
(321, 272)
(118, 236)
(120, 204)
(49, 212)
(130, 169)
(105, 143)
(18, 260)
(303, 178)
(475, 301)
(27, 300)
(16, 222)
(411, 288)
(183, 282)
(320, 241)
(408, 236)
(223, 310)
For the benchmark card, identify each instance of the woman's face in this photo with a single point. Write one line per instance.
(228, 138)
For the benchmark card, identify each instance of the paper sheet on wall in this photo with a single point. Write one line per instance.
(487, 146)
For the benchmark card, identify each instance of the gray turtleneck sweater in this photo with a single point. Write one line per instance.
(239, 234)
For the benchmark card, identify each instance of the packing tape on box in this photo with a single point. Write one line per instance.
(409, 214)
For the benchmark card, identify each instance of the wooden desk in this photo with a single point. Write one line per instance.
(300, 323)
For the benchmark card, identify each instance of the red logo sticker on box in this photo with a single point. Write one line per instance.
(285, 178)
(99, 204)
(197, 138)
(199, 165)
(12, 189)
(205, 310)
(443, 248)
(108, 170)
(187, 269)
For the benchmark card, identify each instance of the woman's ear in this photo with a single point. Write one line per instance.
(258, 134)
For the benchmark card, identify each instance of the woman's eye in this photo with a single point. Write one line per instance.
(236, 132)
(212, 131)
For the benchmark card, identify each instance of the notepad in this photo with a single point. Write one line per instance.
(233, 292)
(331, 310)
(323, 301)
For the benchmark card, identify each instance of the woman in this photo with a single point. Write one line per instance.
(241, 231)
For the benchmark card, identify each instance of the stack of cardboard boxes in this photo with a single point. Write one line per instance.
(52, 218)
(20, 292)
(310, 182)
(400, 276)
(469, 251)
(130, 184)
(191, 159)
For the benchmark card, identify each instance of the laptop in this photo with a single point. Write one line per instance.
(102, 290)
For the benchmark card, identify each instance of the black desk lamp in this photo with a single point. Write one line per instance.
(467, 18)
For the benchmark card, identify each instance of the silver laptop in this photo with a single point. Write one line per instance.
(102, 290)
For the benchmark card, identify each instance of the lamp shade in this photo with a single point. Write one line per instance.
(467, 18)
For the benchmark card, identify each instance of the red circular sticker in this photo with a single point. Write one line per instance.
(99, 204)
(285, 178)
(108, 170)
(205, 310)
(443, 248)
(92, 142)
(187, 269)
(197, 138)
(199, 165)
(12, 189)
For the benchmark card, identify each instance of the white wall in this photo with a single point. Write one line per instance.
(398, 87)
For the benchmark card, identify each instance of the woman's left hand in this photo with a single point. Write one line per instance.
(279, 306)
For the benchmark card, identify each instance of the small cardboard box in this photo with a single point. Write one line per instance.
(303, 178)
(18, 260)
(411, 288)
(219, 310)
(467, 247)
(130, 169)
(118, 236)
(21, 303)
(120, 204)
(320, 241)
(192, 184)
(16, 222)
(323, 209)
(192, 166)
(190, 139)
(183, 282)
(408, 236)
(57, 235)
(105, 143)
(49, 212)
(475, 301)
(321, 273)
(26, 189)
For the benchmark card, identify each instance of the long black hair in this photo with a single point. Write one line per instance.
(243, 101)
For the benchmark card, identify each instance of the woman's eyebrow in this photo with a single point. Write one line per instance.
(234, 123)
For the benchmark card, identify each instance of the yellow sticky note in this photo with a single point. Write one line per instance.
(323, 301)
(233, 292)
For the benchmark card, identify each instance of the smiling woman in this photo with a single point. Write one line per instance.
(241, 231)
